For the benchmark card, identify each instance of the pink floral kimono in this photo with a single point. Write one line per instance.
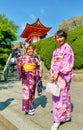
(29, 73)
(62, 61)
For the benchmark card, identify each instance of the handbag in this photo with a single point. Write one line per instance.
(53, 89)
(39, 86)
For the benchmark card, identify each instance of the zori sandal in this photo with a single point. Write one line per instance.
(55, 126)
(66, 120)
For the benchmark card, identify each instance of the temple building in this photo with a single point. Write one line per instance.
(34, 32)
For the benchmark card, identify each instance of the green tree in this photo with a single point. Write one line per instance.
(8, 30)
(72, 23)
(10, 23)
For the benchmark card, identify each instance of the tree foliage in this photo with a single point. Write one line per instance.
(8, 29)
(71, 23)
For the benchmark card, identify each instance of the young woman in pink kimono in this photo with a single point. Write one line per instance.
(29, 71)
(61, 71)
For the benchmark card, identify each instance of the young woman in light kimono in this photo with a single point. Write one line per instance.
(61, 71)
(29, 72)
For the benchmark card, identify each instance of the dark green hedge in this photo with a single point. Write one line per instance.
(75, 39)
(46, 46)
(4, 54)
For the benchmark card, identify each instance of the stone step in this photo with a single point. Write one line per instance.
(2, 127)
(13, 118)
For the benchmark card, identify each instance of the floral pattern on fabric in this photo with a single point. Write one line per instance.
(29, 80)
(63, 62)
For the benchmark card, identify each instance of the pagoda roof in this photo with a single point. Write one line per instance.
(36, 27)
(38, 24)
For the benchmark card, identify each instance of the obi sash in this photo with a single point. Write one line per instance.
(29, 67)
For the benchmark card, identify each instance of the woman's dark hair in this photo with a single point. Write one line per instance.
(61, 33)
(30, 45)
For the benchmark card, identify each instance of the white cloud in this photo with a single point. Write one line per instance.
(32, 17)
(42, 11)
(22, 26)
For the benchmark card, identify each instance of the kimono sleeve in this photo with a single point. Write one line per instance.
(66, 64)
(19, 68)
(37, 70)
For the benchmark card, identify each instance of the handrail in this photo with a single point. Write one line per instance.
(6, 68)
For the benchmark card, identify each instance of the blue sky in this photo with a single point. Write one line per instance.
(50, 12)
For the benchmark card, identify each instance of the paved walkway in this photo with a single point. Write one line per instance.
(12, 118)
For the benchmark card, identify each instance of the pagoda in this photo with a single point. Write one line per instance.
(34, 32)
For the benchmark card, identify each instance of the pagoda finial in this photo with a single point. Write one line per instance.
(38, 19)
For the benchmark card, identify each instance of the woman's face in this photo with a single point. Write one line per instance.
(30, 51)
(60, 40)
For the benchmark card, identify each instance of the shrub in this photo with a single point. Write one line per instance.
(6, 50)
(46, 47)
(4, 53)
